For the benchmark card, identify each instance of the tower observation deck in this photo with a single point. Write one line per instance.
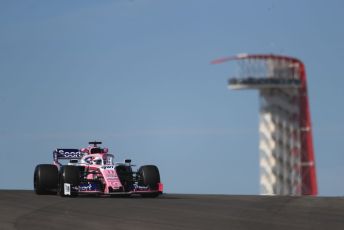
(286, 151)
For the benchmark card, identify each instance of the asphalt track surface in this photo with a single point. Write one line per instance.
(26, 210)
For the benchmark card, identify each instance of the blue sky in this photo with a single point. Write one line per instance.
(136, 75)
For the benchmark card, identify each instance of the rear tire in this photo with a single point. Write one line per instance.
(45, 179)
(71, 175)
(149, 176)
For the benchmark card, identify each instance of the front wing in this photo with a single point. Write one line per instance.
(94, 188)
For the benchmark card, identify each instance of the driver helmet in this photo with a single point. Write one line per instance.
(97, 161)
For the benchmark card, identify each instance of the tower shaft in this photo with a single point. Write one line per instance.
(279, 145)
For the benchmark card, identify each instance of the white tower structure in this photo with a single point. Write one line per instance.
(285, 147)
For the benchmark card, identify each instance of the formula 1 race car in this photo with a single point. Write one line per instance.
(91, 170)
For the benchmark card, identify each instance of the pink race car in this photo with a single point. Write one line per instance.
(91, 170)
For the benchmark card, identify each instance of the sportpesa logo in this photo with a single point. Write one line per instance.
(69, 153)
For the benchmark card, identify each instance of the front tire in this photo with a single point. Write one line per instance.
(71, 175)
(149, 176)
(45, 179)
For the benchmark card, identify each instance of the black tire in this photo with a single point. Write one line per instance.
(71, 175)
(45, 179)
(149, 176)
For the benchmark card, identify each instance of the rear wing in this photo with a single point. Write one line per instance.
(67, 154)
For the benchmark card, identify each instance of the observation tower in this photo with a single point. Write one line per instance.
(287, 165)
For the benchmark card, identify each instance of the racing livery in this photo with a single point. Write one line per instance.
(92, 170)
